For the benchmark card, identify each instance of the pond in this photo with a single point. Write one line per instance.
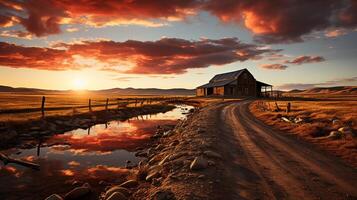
(97, 155)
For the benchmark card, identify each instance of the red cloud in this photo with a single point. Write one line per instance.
(15, 56)
(272, 21)
(306, 59)
(164, 56)
(43, 17)
(274, 66)
(285, 20)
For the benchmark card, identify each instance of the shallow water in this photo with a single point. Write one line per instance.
(93, 155)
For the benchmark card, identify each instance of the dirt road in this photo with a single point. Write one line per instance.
(262, 163)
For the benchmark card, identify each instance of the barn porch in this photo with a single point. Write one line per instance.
(264, 89)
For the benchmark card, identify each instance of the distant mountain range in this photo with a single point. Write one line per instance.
(176, 91)
(119, 91)
(328, 90)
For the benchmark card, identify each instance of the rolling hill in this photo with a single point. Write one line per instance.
(118, 91)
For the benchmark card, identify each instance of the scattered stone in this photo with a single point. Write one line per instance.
(199, 163)
(164, 159)
(174, 143)
(212, 154)
(54, 197)
(116, 196)
(336, 135)
(119, 189)
(130, 184)
(344, 129)
(152, 175)
(335, 121)
(77, 193)
(156, 181)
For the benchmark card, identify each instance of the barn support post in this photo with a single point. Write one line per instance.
(43, 106)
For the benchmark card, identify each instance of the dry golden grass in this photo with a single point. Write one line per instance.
(16, 101)
(318, 112)
(204, 101)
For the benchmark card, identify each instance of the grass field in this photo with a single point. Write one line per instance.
(25, 106)
(320, 114)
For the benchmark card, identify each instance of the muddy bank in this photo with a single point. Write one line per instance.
(13, 133)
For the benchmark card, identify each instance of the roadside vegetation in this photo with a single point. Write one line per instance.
(329, 121)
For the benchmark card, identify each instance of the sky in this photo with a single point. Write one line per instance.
(92, 44)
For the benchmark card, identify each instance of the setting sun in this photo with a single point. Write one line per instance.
(79, 84)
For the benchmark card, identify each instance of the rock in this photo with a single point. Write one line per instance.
(163, 195)
(335, 121)
(54, 197)
(156, 181)
(199, 163)
(168, 133)
(77, 193)
(87, 185)
(152, 175)
(344, 129)
(116, 196)
(159, 147)
(119, 189)
(164, 159)
(336, 134)
(212, 154)
(174, 143)
(129, 184)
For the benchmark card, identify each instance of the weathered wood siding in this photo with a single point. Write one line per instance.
(218, 91)
(246, 85)
(200, 92)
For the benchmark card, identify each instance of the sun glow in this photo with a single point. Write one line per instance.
(79, 84)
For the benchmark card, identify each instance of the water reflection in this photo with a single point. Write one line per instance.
(92, 155)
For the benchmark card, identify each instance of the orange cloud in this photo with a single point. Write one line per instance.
(279, 21)
(274, 66)
(164, 56)
(43, 17)
(306, 59)
(272, 21)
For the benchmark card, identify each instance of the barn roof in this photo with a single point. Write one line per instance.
(215, 84)
(262, 84)
(227, 76)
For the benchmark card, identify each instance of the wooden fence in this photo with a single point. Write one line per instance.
(117, 102)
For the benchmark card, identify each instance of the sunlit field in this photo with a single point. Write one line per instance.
(13, 105)
(320, 115)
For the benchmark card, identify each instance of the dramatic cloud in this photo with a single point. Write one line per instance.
(43, 17)
(16, 34)
(303, 86)
(164, 56)
(15, 56)
(306, 59)
(285, 20)
(274, 21)
(274, 66)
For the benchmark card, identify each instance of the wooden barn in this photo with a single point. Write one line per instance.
(237, 83)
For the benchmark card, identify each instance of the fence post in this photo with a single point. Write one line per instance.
(106, 105)
(277, 107)
(136, 101)
(43, 106)
(288, 107)
(90, 105)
